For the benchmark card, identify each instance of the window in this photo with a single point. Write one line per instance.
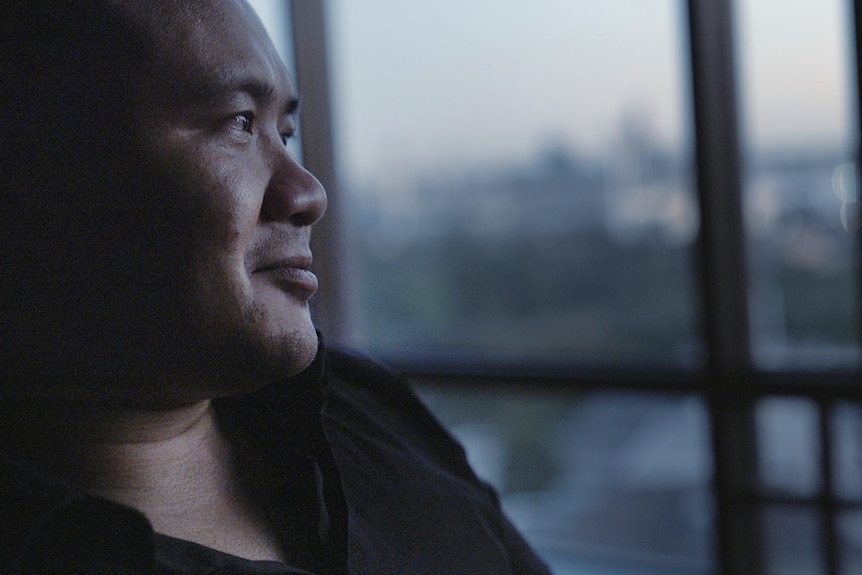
(614, 245)
(490, 157)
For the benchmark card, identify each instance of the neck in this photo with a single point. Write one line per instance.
(175, 465)
(100, 448)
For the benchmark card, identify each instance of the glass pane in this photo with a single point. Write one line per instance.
(847, 456)
(788, 446)
(275, 17)
(793, 543)
(850, 542)
(517, 177)
(599, 483)
(800, 195)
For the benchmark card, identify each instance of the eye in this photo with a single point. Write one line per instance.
(285, 138)
(243, 121)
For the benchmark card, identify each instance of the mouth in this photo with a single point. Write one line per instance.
(291, 274)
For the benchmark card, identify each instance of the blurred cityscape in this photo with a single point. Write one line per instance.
(593, 260)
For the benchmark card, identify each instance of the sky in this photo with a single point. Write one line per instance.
(796, 71)
(437, 84)
(424, 85)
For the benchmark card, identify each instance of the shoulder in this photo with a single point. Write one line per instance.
(349, 363)
(375, 400)
(415, 504)
(351, 372)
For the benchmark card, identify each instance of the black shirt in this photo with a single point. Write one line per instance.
(372, 484)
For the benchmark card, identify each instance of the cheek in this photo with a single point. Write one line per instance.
(230, 191)
(207, 199)
(216, 190)
(220, 210)
(228, 229)
(224, 227)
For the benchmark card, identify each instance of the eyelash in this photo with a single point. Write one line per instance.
(247, 119)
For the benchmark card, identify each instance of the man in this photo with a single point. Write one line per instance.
(166, 404)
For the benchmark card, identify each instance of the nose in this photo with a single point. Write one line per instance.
(293, 194)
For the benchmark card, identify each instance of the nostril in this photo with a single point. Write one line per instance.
(294, 196)
(311, 213)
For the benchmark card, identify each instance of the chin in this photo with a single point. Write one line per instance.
(283, 355)
(302, 349)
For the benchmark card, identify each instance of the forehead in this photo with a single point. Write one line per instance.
(202, 46)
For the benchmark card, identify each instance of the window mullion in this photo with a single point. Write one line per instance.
(312, 78)
(722, 233)
(723, 276)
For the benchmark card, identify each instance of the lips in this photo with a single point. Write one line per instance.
(292, 275)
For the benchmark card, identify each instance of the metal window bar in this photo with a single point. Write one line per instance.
(827, 509)
(723, 280)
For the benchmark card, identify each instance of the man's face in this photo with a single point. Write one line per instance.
(204, 255)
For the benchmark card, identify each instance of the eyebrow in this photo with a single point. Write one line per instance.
(227, 86)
